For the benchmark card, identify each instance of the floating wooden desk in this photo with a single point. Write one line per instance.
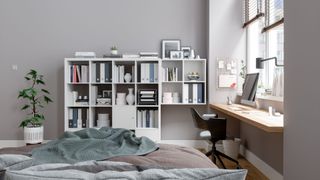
(252, 116)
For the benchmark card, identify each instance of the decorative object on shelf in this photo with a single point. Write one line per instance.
(193, 76)
(82, 101)
(106, 98)
(74, 97)
(186, 52)
(167, 98)
(103, 120)
(121, 99)
(148, 97)
(85, 55)
(198, 57)
(175, 97)
(114, 50)
(176, 54)
(127, 77)
(192, 54)
(37, 97)
(168, 46)
(130, 97)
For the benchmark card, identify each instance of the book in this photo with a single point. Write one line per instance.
(190, 93)
(85, 119)
(185, 94)
(151, 115)
(147, 73)
(139, 119)
(71, 73)
(147, 118)
(151, 72)
(107, 71)
(142, 73)
(156, 118)
(200, 93)
(97, 72)
(194, 93)
(156, 72)
(102, 72)
(70, 118)
(84, 73)
(144, 118)
(75, 118)
(93, 78)
(74, 73)
(94, 95)
(85, 54)
(130, 56)
(79, 121)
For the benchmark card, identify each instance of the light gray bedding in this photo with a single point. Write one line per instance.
(109, 170)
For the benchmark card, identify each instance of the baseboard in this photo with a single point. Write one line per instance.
(199, 144)
(260, 164)
(13, 143)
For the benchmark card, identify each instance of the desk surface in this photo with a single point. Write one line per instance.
(252, 116)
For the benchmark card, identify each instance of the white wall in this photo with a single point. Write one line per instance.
(302, 90)
(226, 39)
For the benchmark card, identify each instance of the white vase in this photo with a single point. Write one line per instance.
(127, 77)
(130, 97)
(33, 135)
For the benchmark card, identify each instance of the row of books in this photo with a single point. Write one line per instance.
(78, 117)
(149, 72)
(102, 72)
(119, 73)
(147, 119)
(170, 74)
(193, 93)
(79, 73)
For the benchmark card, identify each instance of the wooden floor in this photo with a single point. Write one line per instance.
(253, 172)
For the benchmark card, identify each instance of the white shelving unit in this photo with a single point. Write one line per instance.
(125, 116)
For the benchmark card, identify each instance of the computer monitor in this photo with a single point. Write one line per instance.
(250, 89)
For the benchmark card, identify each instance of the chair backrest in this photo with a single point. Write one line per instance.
(216, 126)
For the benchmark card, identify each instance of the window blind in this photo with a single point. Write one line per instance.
(253, 10)
(274, 14)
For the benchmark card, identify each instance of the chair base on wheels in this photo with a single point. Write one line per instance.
(215, 154)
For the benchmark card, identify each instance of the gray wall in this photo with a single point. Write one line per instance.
(228, 39)
(39, 34)
(301, 133)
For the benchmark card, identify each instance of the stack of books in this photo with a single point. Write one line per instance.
(102, 72)
(170, 74)
(148, 97)
(149, 72)
(85, 55)
(78, 117)
(79, 73)
(147, 119)
(149, 55)
(193, 93)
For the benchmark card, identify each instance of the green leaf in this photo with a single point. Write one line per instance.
(27, 78)
(45, 91)
(47, 99)
(39, 81)
(25, 107)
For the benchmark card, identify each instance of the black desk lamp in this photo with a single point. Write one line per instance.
(259, 62)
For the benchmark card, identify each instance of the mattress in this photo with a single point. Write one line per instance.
(171, 156)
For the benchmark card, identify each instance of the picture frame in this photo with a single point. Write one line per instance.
(176, 54)
(169, 45)
(186, 51)
(106, 93)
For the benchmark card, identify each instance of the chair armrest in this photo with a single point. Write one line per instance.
(208, 116)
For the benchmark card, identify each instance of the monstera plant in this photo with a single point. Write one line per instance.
(35, 98)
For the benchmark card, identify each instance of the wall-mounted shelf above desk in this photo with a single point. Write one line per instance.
(255, 117)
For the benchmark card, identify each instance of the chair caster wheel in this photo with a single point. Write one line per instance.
(238, 166)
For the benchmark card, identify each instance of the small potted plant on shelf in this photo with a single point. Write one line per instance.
(114, 50)
(35, 97)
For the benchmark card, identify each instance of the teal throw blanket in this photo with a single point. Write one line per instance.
(93, 144)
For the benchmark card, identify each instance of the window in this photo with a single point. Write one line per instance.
(265, 38)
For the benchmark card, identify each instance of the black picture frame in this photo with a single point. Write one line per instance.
(186, 51)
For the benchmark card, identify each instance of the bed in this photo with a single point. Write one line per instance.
(166, 162)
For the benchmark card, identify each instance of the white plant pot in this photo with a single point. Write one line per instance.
(114, 52)
(33, 135)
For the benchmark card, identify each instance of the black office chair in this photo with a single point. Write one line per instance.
(214, 130)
